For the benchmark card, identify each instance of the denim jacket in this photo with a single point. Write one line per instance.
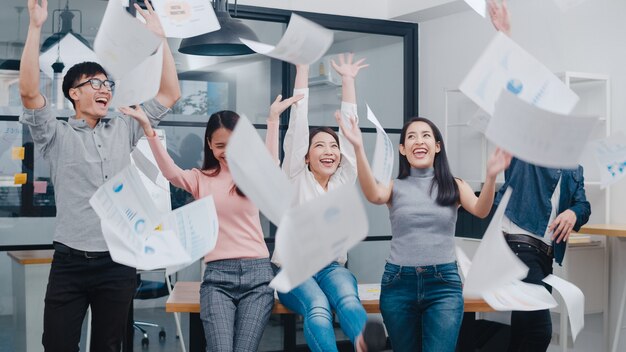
(530, 205)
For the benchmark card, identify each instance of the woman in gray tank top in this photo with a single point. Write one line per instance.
(421, 292)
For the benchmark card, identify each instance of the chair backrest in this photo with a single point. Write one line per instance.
(150, 289)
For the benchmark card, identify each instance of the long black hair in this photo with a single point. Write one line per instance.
(222, 119)
(447, 188)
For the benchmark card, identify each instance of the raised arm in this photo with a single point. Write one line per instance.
(296, 143)
(29, 64)
(374, 192)
(481, 206)
(278, 107)
(348, 70)
(185, 179)
(169, 90)
(499, 15)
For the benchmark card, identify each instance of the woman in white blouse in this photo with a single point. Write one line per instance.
(316, 164)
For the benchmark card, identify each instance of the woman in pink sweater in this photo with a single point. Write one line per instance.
(235, 299)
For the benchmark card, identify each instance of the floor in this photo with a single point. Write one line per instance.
(272, 337)
(590, 339)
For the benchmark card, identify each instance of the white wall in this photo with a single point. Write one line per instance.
(587, 38)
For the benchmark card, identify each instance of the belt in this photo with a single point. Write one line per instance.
(531, 241)
(61, 248)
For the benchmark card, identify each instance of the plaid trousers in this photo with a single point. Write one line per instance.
(236, 303)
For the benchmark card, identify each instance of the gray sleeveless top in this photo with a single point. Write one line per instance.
(423, 231)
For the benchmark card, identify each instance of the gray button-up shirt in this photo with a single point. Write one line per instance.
(81, 160)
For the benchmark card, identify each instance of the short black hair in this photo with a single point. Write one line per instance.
(75, 72)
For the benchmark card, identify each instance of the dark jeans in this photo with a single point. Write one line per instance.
(532, 331)
(77, 282)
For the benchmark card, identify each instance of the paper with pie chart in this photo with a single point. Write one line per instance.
(505, 64)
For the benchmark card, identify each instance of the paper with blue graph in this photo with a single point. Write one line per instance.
(610, 155)
(312, 235)
(382, 166)
(139, 235)
(505, 65)
(538, 136)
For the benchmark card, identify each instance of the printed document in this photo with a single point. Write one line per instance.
(256, 173)
(538, 136)
(382, 165)
(186, 18)
(304, 42)
(123, 42)
(315, 233)
(505, 65)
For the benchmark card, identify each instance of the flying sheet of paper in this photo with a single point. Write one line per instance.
(255, 172)
(122, 41)
(574, 301)
(158, 187)
(69, 50)
(382, 165)
(558, 142)
(505, 65)
(369, 292)
(317, 232)
(565, 5)
(196, 227)
(610, 155)
(519, 296)
(304, 42)
(494, 265)
(479, 121)
(141, 83)
(186, 18)
(480, 6)
(128, 217)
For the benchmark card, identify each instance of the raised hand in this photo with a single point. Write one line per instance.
(37, 13)
(498, 162)
(352, 132)
(499, 15)
(346, 68)
(279, 105)
(153, 23)
(137, 113)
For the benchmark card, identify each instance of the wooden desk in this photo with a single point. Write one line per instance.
(611, 230)
(185, 298)
(30, 270)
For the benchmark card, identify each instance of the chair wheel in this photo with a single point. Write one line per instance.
(162, 335)
(145, 342)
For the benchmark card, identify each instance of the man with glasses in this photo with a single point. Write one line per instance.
(85, 152)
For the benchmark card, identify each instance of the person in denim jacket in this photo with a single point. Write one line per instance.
(546, 205)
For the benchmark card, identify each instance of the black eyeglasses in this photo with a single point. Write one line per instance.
(96, 83)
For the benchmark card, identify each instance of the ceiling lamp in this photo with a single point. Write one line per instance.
(224, 42)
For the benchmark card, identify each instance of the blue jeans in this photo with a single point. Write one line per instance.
(422, 307)
(332, 288)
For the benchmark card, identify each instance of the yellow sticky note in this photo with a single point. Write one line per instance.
(17, 153)
(20, 179)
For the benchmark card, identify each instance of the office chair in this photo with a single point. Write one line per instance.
(148, 289)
